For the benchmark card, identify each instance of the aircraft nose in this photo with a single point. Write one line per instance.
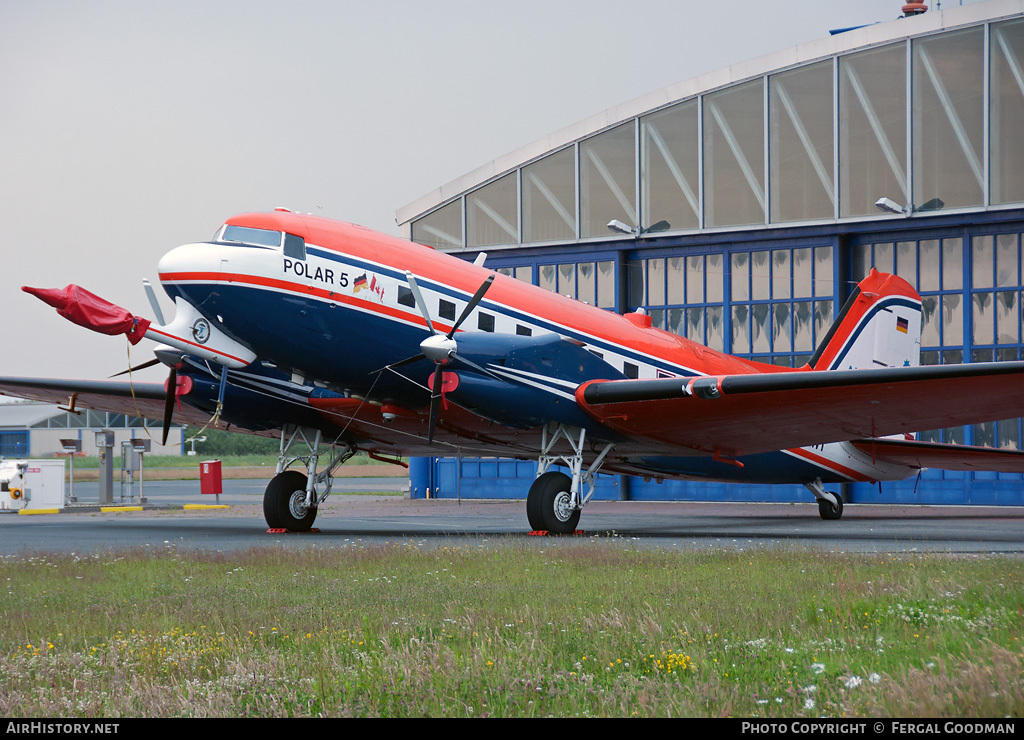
(189, 262)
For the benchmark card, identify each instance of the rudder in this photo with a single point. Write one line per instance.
(880, 326)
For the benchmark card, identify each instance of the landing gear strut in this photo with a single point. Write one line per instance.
(554, 501)
(830, 505)
(291, 500)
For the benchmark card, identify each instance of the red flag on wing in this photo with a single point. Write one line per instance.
(81, 307)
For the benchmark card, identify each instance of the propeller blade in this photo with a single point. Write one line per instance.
(172, 392)
(406, 361)
(435, 403)
(420, 303)
(477, 297)
(143, 366)
(151, 294)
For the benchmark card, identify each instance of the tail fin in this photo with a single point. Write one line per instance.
(880, 326)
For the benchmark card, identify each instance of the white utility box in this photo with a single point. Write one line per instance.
(31, 484)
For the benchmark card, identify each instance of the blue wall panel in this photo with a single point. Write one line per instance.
(490, 478)
(14, 444)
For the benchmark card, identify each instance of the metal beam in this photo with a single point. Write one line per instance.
(496, 218)
(897, 167)
(805, 139)
(959, 130)
(613, 186)
(748, 173)
(673, 167)
(569, 219)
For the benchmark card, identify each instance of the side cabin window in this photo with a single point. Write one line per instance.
(485, 322)
(294, 247)
(405, 297)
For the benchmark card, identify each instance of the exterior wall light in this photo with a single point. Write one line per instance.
(890, 206)
(616, 225)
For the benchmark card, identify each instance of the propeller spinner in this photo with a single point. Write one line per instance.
(439, 348)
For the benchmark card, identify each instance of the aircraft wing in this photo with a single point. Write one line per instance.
(121, 397)
(746, 414)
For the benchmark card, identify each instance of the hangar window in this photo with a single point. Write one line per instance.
(800, 148)
(592, 283)
(524, 273)
(441, 229)
(549, 198)
(872, 129)
(608, 180)
(773, 317)
(250, 236)
(734, 155)
(491, 216)
(948, 116)
(1006, 111)
(670, 167)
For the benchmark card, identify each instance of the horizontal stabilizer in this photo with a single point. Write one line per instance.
(937, 455)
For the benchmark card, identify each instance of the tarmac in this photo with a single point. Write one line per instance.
(368, 512)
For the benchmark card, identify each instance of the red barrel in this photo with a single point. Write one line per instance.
(209, 477)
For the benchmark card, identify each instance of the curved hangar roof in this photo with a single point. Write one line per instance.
(926, 111)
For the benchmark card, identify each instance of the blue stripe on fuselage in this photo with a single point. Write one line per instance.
(199, 295)
(500, 308)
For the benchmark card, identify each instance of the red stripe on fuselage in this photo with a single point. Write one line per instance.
(829, 464)
(154, 330)
(301, 289)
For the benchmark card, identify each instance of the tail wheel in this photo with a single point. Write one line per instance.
(828, 510)
(284, 503)
(549, 504)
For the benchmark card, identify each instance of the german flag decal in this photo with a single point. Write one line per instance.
(901, 324)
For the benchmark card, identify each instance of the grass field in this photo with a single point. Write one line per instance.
(587, 629)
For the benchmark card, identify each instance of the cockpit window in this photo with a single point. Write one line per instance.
(249, 235)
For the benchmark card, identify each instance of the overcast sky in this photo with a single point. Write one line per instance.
(128, 128)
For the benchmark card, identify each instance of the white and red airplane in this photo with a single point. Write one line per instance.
(345, 339)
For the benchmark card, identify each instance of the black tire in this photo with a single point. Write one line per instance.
(829, 511)
(547, 504)
(282, 503)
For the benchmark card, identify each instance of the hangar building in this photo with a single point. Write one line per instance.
(32, 429)
(748, 202)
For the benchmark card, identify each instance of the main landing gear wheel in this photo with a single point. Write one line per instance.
(830, 511)
(549, 504)
(284, 503)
